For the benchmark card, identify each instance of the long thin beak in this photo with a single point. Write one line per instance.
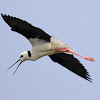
(17, 67)
(13, 64)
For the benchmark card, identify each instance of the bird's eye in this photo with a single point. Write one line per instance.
(21, 56)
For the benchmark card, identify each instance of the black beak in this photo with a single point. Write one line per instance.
(17, 67)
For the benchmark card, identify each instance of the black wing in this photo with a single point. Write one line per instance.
(25, 28)
(72, 64)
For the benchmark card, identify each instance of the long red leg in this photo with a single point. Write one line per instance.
(70, 51)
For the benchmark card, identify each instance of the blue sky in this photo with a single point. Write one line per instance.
(76, 22)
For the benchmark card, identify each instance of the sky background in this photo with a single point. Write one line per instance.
(76, 22)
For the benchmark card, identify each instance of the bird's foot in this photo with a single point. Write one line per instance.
(89, 58)
(62, 50)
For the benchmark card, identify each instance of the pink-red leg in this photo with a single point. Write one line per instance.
(70, 51)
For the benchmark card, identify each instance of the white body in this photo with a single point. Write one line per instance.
(42, 48)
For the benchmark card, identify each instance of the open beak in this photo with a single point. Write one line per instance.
(17, 67)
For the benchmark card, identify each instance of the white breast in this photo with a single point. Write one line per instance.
(42, 48)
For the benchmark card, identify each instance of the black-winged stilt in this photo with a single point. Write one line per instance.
(44, 44)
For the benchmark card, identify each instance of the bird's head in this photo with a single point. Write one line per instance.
(26, 55)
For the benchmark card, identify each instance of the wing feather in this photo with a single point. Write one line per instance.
(71, 63)
(25, 29)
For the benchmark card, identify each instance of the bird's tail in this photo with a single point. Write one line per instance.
(57, 43)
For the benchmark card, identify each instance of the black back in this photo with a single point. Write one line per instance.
(25, 28)
(71, 63)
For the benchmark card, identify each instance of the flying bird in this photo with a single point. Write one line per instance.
(46, 45)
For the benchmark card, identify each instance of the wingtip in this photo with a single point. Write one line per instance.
(1, 14)
(89, 79)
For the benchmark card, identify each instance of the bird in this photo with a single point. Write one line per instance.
(45, 45)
